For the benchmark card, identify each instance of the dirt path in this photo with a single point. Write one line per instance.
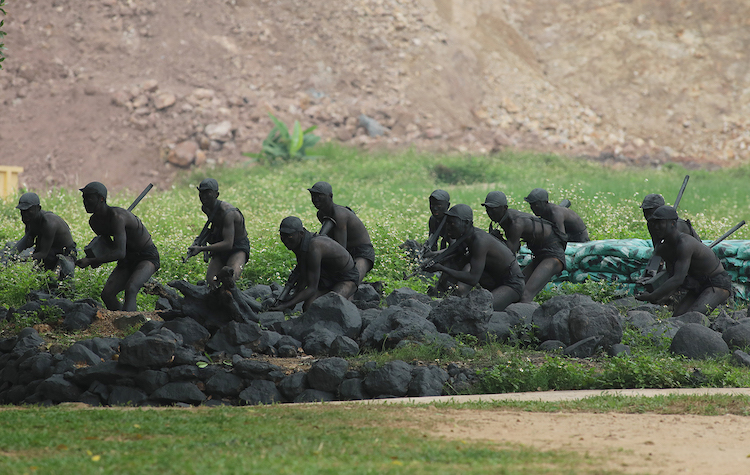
(631, 443)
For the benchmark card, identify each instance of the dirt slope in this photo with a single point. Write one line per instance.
(129, 91)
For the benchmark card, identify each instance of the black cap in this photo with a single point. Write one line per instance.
(665, 213)
(95, 187)
(462, 212)
(537, 194)
(652, 201)
(208, 184)
(291, 224)
(322, 187)
(440, 195)
(495, 199)
(27, 200)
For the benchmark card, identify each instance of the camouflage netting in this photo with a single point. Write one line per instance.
(623, 261)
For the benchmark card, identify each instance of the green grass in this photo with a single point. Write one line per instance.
(390, 193)
(271, 439)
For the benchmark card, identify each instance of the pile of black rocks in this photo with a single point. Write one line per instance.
(217, 353)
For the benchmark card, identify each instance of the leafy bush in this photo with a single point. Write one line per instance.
(280, 145)
(18, 278)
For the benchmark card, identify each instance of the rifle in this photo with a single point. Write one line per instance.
(202, 237)
(433, 239)
(452, 249)
(100, 245)
(727, 234)
(655, 261)
(291, 284)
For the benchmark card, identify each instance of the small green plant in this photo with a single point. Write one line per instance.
(598, 290)
(282, 146)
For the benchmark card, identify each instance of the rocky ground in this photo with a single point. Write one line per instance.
(130, 91)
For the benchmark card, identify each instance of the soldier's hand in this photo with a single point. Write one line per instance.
(643, 296)
(193, 250)
(83, 263)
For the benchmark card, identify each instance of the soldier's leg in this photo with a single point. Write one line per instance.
(346, 288)
(503, 296)
(363, 267)
(142, 272)
(707, 301)
(237, 262)
(115, 284)
(214, 266)
(543, 273)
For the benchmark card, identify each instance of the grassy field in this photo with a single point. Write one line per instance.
(303, 439)
(389, 192)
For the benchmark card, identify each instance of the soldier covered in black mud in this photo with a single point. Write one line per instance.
(570, 225)
(48, 234)
(691, 266)
(437, 233)
(490, 263)
(124, 239)
(543, 239)
(224, 236)
(323, 265)
(343, 226)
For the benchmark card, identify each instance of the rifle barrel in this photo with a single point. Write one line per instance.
(682, 191)
(140, 197)
(727, 234)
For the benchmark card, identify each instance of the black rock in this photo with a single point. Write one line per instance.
(344, 346)
(583, 348)
(151, 380)
(696, 341)
(464, 315)
(126, 396)
(352, 390)
(293, 385)
(315, 395)
(252, 369)
(327, 374)
(176, 392)
(331, 312)
(737, 337)
(598, 320)
(260, 392)
(427, 381)
(193, 333)
(392, 379)
(224, 384)
(142, 351)
(319, 341)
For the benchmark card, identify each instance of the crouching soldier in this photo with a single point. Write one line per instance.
(691, 265)
(49, 234)
(490, 263)
(323, 265)
(127, 241)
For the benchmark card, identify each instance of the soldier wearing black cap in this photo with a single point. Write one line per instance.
(440, 201)
(227, 240)
(323, 265)
(49, 234)
(341, 224)
(545, 244)
(129, 243)
(490, 263)
(691, 265)
(569, 224)
(653, 201)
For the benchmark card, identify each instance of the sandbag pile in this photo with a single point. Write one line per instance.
(624, 260)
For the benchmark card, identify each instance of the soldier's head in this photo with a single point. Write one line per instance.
(440, 201)
(538, 200)
(496, 205)
(291, 232)
(460, 220)
(208, 191)
(29, 206)
(651, 203)
(662, 222)
(321, 194)
(94, 195)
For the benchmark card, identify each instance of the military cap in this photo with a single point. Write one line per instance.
(652, 201)
(495, 199)
(665, 213)
(208, 184)
(462, 212)
(96, 188)
(537, 194)
(321, 187)
(27, 200)
(440, 195)
(291, 224)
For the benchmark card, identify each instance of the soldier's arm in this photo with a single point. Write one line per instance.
(44, 242)
(513, 236)
(679, 270)
(312, 277)
(476, 265)
(25, 242)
